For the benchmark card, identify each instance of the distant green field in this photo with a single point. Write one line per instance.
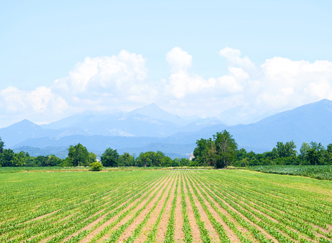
(322, 172)
(164, 206)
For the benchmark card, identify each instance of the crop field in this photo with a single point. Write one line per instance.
(323, 172)
(164, 206)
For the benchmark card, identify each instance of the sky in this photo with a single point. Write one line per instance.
(237, 60)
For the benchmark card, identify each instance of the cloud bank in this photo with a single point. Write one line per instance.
(121, 82)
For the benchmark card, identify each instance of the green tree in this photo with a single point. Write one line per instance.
(92, 157)
(126, 159)
(203, 153)
(79, 155)
(144, 159)
(286, 150)
(7, 158)
(329, 154)
(2, 145)
(225, 149)
(316, 154)
(184, 162)
(304, 151)
(158, 158)
(53, 160)
(167, 162)
(313, 156)
(110, 158)
(67, 162)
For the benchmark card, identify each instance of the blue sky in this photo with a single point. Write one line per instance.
(43, 41)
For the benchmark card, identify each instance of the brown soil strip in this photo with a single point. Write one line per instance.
(95, 232)
(194, 227)
(40, 217)
(129, 231)
(231, 235)
(178, 232)
(128, 217)
(161, 232)
(208, 225)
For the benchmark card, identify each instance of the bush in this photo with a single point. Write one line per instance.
(96, 166)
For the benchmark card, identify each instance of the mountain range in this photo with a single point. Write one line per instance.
(150, 129)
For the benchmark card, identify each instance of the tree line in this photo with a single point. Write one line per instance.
(78, 155)
(221, 150)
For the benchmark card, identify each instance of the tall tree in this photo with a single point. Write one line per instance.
(202, 151)
(145, 159)
(304, 151)
(110, 158)
(286, 150)
(79, 155)
(126, 159)
(225, 149)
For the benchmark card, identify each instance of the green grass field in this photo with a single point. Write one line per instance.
(164, 206)
(322, 172)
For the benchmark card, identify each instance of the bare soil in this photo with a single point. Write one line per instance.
(208, 225)
(194, 227)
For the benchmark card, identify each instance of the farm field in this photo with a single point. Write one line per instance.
(323, 172)
(164, 206)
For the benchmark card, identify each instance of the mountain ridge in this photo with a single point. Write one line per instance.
(310, 122)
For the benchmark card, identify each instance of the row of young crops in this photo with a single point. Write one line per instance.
(164, 206)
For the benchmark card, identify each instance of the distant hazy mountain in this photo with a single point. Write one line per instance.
(306, 123)
(153, 111)
(241, 115)
(150, 121)
(311, 122)
(146, 129)
(23, 130)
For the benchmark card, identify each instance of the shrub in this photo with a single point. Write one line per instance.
(96, 166)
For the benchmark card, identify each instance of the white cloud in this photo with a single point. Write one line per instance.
(183, 83)
(12, 99)
(104, 73)
(178, 59)
(233, 57)
(121, 81)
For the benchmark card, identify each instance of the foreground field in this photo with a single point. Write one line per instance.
(164, 206)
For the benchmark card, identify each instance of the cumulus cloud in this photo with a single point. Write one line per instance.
(104, 73)
(178, 59)
(233, 57)
(39, 100)
(121, 81)
(183, 83)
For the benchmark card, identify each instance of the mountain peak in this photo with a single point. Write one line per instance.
(155, 112)
(151, 106)
(24, 122)
(148, 110)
